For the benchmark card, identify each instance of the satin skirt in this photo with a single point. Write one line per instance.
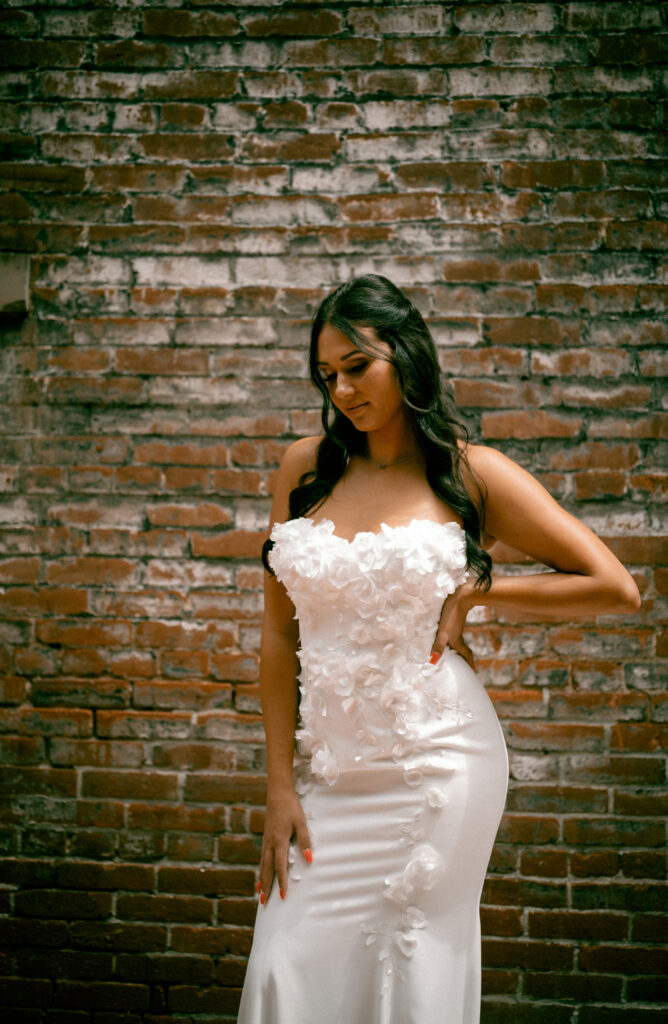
(383, 927)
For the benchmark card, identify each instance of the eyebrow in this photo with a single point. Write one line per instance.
(349, 355)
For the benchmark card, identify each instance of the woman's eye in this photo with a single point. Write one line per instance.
(330, 378)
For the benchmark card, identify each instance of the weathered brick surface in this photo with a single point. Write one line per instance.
(189, 179)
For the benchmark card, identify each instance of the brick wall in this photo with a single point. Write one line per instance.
(189, 181)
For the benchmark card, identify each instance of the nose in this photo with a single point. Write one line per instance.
(343, 388)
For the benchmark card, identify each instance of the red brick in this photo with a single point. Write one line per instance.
(524, 425)
(214, 941)
(210, 881)
(178, 818)
(602, 483)
(81, 692)
(75, 635)
(130, 785)
(228, 789)
(545, 863)
(12, 690)
(558, 174)
(187, 696)
(232, 544)
(310, 146)
(32, 992)
(293, 24)
(54, 904)
(118, 937)
(96, 753)
(545, 956)
(49, 781)
(19, 570)
(182, 24)
(18, 602)
(164, 908)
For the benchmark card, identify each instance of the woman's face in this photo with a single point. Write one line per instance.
(362, 387)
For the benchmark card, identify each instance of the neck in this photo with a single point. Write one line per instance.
(396, 441)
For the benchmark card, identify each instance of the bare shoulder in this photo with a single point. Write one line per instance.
(487, 463)
(499, 478)
(299, 458)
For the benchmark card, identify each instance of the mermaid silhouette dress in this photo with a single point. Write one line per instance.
(402, 771)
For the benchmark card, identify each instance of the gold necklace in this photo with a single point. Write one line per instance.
(395, 462)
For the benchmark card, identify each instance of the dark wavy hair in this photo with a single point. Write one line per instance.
(373, 301)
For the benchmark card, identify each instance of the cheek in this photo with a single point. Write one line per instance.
(388, 384)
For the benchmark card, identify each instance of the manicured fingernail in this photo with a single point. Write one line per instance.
(282, 894)
(258, 887)
(433, 660)
(308, 856)
(263, 899)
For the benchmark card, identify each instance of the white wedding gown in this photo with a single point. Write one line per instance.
(402, 771)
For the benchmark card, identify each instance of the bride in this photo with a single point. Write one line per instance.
(387, 768)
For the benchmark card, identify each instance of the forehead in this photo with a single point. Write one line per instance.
(335, 346)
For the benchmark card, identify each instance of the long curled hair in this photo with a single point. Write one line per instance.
(373, 301)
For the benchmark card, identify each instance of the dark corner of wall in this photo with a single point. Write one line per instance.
(14, 288)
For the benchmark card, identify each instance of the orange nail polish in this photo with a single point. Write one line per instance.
(433, 660)
(258, 887)
(308, 856)
(263, 898)
(282, 894)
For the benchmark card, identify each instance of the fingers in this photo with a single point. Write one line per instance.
(266, 872)
(304, 841)
(461, 647)
(274, 861)
(439, 645)
(281, 864)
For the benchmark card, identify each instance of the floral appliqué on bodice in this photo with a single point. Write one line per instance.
(368, 610)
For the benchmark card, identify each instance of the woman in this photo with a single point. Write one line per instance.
(377, 838)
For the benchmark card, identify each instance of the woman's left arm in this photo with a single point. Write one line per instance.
(588, 580)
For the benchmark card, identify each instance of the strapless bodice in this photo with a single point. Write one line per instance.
(368, 610)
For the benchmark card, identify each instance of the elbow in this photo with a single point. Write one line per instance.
(627, 597)
(632, 598)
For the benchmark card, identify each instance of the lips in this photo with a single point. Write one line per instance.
(356, 408)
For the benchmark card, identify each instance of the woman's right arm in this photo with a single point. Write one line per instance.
(279, 667)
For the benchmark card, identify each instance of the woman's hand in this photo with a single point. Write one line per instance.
(284, 818)
(451, 624)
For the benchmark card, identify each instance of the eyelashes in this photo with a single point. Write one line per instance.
(358, 368)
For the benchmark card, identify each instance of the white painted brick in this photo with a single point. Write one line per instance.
(292, 272)
(599, 80)
(196, 391)
(84, 24)
(103, 85)
(100, 512)
(230, 116)
(408, 20)
(134, 117)
(122, 332)
(523, 143)
(615, 17)
(18, 513)
(187, 271)
(385, 114)
(83, 149)
(499, 82)
(505, 17)
(233, 55)
(227, 331)
(91, 269)
(280, 210)
(413, 145)
(339, 180)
